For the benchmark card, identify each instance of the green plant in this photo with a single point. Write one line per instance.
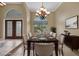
(53, 29)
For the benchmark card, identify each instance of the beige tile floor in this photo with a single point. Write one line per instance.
(67, 52)
(8, 46)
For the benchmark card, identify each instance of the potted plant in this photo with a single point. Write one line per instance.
(53, 29)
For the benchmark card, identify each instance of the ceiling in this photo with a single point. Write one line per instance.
(33, 6)
(50, 6)
(13, 2)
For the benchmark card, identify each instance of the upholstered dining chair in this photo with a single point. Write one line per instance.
(51, 33)
(29, 35)
(60, 45)
(25, 37)
(44, 49)
(24, 44)
(54, 35)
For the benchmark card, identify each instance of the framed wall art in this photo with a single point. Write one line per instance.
(72, 22)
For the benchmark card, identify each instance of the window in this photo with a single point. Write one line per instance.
(40, 24)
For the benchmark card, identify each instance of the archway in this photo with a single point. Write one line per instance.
(13, 24)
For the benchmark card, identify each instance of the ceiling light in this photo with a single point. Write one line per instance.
(2, 4)
(42, 11)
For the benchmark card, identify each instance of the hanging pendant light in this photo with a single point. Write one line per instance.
(2, 4)
(42, 11)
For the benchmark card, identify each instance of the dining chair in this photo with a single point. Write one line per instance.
(44, 49)
(24, 44)
(29, 34)
(54, 35)
(60, 45)
(50, 33)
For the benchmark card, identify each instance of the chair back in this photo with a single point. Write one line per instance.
(44, 49)
(51, 33)
(24, 43)
(61, 39)
(24, 39)
(54, 35)
(60, 47)
(29, 35)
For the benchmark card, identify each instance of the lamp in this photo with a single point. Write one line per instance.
(2, 4)
(42, 11)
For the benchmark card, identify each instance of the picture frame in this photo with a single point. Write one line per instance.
(71, 23)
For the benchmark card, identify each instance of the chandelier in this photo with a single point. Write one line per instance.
(2, 4)
(42, 11)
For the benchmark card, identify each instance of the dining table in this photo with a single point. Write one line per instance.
(33, 40)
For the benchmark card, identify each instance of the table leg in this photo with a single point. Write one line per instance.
(56, 48)
(28, 48)
(33, 48)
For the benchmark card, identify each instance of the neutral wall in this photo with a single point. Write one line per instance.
(56, 19)
(0, 22)
(19, 7)
(66, 10)
(27, 25)
(50, 18)
(32, 14)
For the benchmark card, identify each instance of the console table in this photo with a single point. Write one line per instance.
(72, 41)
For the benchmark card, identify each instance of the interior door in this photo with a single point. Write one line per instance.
(13, 29)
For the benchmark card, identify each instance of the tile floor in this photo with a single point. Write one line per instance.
(67, 52)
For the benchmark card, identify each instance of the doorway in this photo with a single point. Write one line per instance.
(13, 29)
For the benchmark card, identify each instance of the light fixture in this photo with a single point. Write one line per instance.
(2, 4)
(42, 11)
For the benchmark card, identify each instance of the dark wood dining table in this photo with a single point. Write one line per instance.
(53, 40)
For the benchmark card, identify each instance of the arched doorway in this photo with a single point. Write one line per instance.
(13, 25)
